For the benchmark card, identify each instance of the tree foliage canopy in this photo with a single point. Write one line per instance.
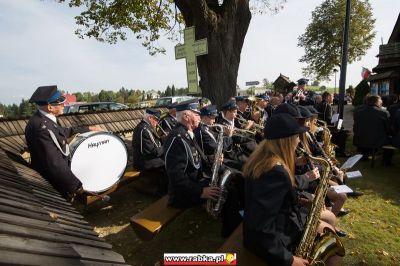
(111, 20)
(322, 40)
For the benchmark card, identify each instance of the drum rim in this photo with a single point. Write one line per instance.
(127, 157)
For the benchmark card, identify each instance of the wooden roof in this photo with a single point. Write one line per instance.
(395, 36)
(12, 137)
(38, 227)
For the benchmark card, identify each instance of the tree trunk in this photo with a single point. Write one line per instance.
(225, 29)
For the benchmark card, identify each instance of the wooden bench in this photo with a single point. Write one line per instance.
(149, 222)
(129, 175)
(234, 244)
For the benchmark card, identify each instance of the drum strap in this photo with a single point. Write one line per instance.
(53, 137)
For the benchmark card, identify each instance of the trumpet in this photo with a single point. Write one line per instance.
(244, 133)
(243, 123)
(298, 96)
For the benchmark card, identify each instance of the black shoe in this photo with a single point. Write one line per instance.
(355, 194)
(340, 233)
(343, 212)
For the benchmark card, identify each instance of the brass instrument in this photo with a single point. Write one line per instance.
(214, 207)
(318, 249)
(327, 145)
(297, 96)
(244, 133)
(243, 123)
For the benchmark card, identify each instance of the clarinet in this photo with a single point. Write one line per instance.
(326, 157)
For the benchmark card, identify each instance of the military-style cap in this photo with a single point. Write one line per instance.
(191, 105)
(241, 99)
(47, 95)
(286, 108)
(210, 110)
(263, 97)
(305, 112)
(302, 81)
(282, 126)
(230, 105)
(154, 112)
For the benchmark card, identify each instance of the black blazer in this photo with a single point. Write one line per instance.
(371, 127)
(183, 167)
(46, 158)
(272, 224)
(147, 149)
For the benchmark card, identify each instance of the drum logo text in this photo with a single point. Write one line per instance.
(97, 144)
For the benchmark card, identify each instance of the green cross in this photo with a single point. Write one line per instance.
(189, 50)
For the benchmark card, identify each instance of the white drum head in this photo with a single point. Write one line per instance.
(98, 160)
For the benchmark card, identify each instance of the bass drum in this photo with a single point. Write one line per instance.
(98, 160)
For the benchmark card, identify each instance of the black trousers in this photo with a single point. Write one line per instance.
(230, 216)
(339, 137)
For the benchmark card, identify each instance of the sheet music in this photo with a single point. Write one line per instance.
(353, 174)
(351, 161)
(339, 124)
(342, 189)
(335, 118)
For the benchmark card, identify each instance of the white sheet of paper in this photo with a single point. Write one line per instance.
(353, 174)
(339, 124)
(342, 189)
(334, 118)
(351, 161)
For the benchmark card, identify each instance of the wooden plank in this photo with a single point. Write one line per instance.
(25, 213)
(33, 246)
(149, 222)
(234, 244)
(18, 128)
(9, 257)
(49, 236)
(96, 254)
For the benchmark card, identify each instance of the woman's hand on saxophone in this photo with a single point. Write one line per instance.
(297, 261)
(211, 193)
(313, 174)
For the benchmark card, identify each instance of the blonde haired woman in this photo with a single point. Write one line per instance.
(273, 223)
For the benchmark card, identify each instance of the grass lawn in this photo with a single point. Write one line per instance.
(373, 224)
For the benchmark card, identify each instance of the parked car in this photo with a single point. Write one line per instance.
(92, 107)
(165, 101)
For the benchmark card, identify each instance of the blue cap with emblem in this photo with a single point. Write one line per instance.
(210, 110)
(302, 81)
(172, 105)
(191, 105)
(154, 112)
(47, 95)
(263, 97)
(230, 105)
(240, 99)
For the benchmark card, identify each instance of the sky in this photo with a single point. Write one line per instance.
(38, 47)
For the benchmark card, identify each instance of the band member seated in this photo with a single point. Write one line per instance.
(148, 151)
(183, 163)
(245, 139)
(47, 141)
(169, 121)
(243, 113)
(339, 137)
(273, 223)
(207, 137)
(259, 115)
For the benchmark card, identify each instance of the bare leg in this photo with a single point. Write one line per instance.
(338, 200)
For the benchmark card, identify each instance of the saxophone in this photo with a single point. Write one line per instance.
(318, 249)
(214, 207)
(327, 145)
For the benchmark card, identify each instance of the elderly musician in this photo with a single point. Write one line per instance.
(183, 163)
(168, 122)
(148, 151)
(47, 141)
